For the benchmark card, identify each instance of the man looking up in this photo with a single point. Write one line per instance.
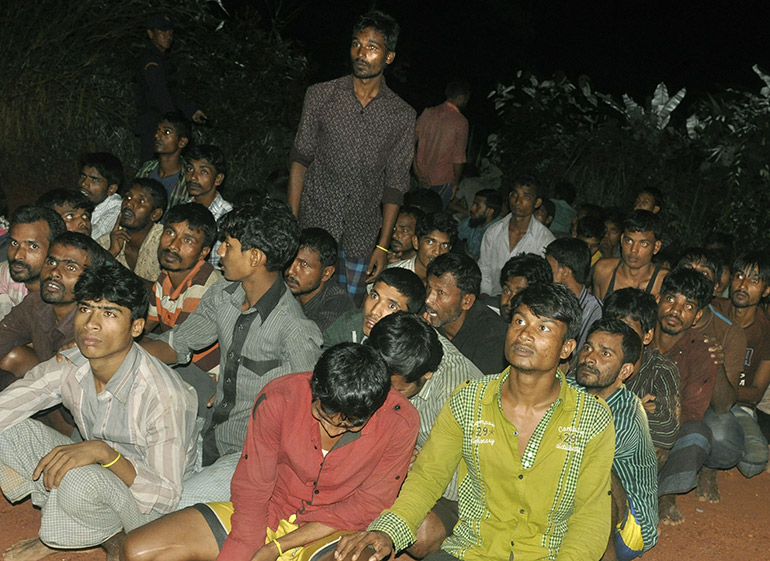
(518, 273)
(435, 235)
(570, 261)
(401, 246)
(172, 134)
(484, 212)
(394, 290)
(134, 238)
(261, 330)
(518, 233)
(136, 419)
(73, 206)
(534, 454)
(31, 231)
(338, 187)
(101, 177)
(45, 317)
(309, 278)
(605, 361)
(451, 306)
(642, 232)
(442, 136)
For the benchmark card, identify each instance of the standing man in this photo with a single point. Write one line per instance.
(155, 85)
(101, 177)
(352, 153)
(442, 136)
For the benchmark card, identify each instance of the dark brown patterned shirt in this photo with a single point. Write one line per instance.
(357, 157)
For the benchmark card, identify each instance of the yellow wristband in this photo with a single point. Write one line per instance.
(278, 546)
(382, 248)
(113, 462)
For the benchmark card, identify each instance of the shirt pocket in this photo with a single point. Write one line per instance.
(260, 367)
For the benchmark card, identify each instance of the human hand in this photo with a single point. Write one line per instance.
(648, 402)
(716, 349)
(377, 544)
(200, 117)
(377, 263)
(118, 239)
(55, 465)
(211, 401)
(413, 459)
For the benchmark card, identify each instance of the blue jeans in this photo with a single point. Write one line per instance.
(727, 442)
(755, 448)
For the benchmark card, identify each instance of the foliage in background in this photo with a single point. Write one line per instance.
(712, 168)
(67, 87)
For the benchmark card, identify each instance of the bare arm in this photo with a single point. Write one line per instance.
(378, 260)
(296, 185)
(160, 350)
(753, 394)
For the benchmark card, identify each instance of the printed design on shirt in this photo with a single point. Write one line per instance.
(749, 356)
(742, 380)
(571, 439)
(483, 432)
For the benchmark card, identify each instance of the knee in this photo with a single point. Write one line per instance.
(135, 549)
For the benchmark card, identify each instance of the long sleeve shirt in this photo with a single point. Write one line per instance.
(283, 469)
(552, 502)
(146, 412)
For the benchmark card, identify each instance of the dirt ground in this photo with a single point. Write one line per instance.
(711, 532)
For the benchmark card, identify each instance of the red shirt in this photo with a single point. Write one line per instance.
(442, 135)
(282, 470)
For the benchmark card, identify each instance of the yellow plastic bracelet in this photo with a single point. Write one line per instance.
(113, 462)
(278, 546)
(382, 248)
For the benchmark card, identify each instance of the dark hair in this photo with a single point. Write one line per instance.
(552, 301)
(700, 255)
(565, 191)
(691, 284)
(657, 196)
(108, 166)
(251, 196)
(464, 269)
(269, 227)
(381, 22)
(198, 218)
(322, 242)
(156, 190)
(492, 199)
(591, 227)
(573, 254)
(63, 197)
(632, 303)
(407, 283)
(437, 222)
(529, 266)
(409, 346)
(722, 239)
(457, 88)
(115, 284)
(549, 206)
(632, 344)
(426, 200)
(526, 180)
(97, 255)
(754, 259)
(591, 209)
(351, 380)
(212, 154)
(179, 123)
(415, 213)
(3, 203)
(27, 214)
(277, 185)
(614, 215)
(643, 221)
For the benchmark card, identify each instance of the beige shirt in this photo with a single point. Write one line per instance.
(147, 265)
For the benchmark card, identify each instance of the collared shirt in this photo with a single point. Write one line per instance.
(218, 207)
(453, 370)
(659, 376)
(349, 328)
(697, 374)
(482, 339)
(473, 235)
(356, 157)
(731, 336)
(146, 412)
(11, 292)
(496, 251)
(442, 135)
(270, 339)
(636, 464)
(592, 310)
(147, 265)
(178, 191)
(329, 304)
(512, 505)
(172, 306)
(283, 469)
(105, 215)
(34, 321)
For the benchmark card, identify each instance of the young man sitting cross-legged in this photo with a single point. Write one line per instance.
(323, 454)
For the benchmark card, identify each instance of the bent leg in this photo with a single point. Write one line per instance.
(727, 441)
(755, 455)
(181, 536)
(692, 447)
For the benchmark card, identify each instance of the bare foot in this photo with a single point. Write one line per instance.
(708, 486)
(28, 550)
(668, 513)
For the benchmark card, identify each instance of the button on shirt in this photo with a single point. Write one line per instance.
(146, 412)
(512, 505)
(270, 339)
(495, 250)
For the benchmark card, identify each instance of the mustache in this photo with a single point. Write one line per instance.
(584, 366)
(170, 253)
(12, 262)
